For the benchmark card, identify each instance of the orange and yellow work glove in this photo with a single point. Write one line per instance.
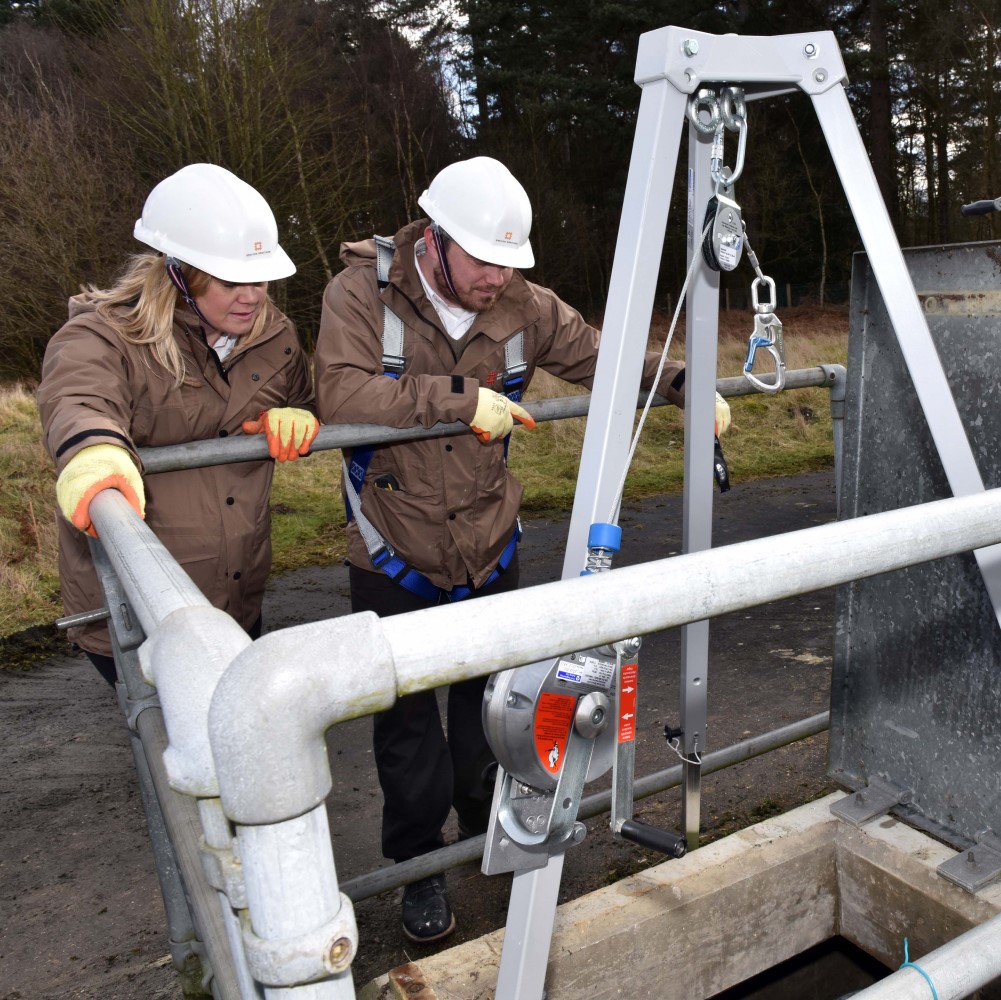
(495, 416)
(722, 414)
(289, 431)
(90, 470)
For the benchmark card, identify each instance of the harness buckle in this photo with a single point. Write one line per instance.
(382, 555)
(393, 365)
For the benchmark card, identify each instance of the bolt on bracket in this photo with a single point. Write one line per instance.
(977, 866)
(876, 799)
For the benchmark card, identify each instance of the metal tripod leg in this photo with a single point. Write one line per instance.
(906, 315)
(702, 328)
(613, 402)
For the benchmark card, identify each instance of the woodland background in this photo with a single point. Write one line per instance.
(340, 112)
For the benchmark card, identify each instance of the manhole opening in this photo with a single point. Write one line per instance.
(829, 971)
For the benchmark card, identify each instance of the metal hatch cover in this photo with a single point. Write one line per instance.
(916, 684)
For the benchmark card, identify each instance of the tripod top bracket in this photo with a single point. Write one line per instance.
(765, 65)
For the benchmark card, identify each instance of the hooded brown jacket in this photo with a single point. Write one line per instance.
(97, 388)
(456, 504)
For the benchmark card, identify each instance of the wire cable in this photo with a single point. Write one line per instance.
(617, 500)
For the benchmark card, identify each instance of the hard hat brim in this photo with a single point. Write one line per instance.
(268, 265)
(520, 257)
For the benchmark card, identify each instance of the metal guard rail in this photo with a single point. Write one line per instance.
(240, 448)
(270, 706)
(157, 589)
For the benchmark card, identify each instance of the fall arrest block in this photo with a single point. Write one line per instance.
(554, 725)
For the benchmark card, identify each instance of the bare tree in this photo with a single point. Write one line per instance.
(67, 203)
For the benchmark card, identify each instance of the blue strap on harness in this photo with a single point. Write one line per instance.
(383, 556)
(417, 583)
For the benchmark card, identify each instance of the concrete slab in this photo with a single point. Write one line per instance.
(890, 889)
(691, 928)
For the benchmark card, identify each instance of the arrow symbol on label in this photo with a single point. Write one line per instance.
(628, 690)
(628, 715)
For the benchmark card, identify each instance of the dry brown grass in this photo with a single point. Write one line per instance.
(28, 578)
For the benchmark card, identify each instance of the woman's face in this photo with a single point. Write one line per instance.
(231, 309)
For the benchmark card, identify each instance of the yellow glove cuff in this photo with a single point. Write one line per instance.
(91, 470)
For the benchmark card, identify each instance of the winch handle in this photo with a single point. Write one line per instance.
(665, 841)
(982, 207)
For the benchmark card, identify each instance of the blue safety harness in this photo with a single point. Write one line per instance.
(382, 554)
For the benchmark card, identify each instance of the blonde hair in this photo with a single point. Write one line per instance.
(141, 304)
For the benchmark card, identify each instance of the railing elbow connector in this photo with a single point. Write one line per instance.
(272, 707)
(184, 659)
(837, 381)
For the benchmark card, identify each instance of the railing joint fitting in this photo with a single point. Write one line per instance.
(324, 951)
(224, 872)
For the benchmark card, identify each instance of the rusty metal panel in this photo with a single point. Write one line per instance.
(916, 687)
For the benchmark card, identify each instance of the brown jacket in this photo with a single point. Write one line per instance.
(457, 504)
(98, 389)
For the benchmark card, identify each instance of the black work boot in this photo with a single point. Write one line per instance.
(427, 915)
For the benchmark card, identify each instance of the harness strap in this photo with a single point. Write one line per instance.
(381, 553)
(384, 557)
(515, 366)
(392, 326)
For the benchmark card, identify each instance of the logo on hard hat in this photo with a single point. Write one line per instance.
(508, 236)
(258, 246)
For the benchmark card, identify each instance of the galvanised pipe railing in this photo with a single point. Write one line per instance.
(956, 970)
(274, 704)
(317, 663)
(184, 663)
(251, 447)
(192, 769)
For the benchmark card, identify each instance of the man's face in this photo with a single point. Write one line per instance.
(478, 285)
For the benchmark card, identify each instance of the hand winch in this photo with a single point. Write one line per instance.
(553, 726)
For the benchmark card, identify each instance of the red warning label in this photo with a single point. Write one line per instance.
(553, 719)
(627, 703)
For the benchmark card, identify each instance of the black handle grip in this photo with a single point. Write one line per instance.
(666, 841)
(982, 207)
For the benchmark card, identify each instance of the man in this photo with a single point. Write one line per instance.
(447, 315)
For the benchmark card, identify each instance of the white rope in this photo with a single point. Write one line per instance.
(696, 257)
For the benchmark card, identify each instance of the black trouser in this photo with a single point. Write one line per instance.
(105, 665)
(421, 773)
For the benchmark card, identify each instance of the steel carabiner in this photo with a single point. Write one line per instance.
(731, 115)
(767, 335)
(770, 342)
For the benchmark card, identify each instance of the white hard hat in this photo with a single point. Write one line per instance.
(484, 209)
(207, 217)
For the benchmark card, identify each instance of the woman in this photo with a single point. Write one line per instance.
(186, 345)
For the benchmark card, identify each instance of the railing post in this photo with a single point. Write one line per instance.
(838, 376)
